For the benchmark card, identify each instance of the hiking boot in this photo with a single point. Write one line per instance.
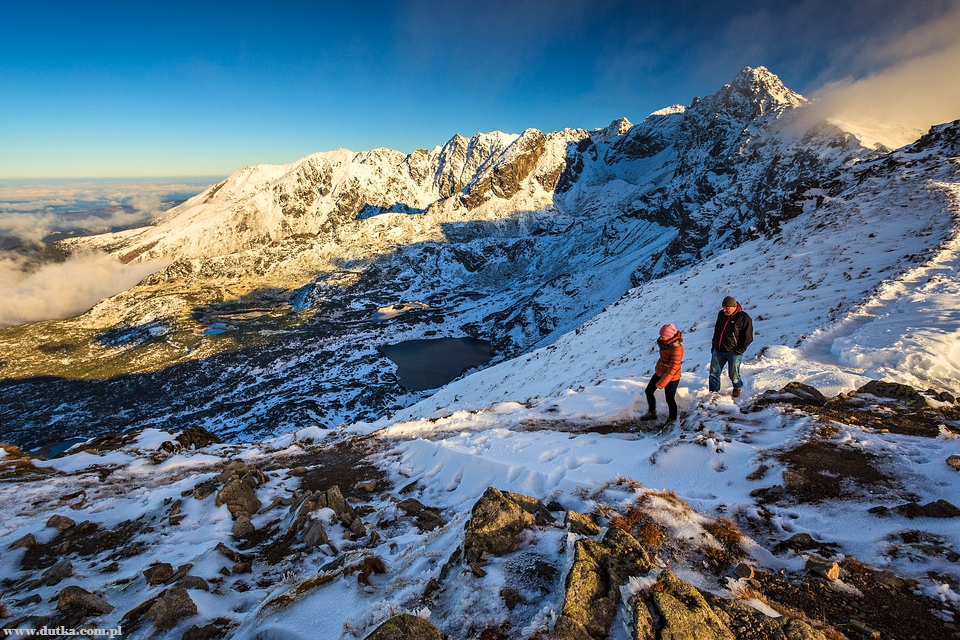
(649, 415)
(736, 392)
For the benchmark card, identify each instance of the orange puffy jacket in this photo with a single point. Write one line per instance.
(671, 358)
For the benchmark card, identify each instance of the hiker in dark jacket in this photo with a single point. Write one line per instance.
(732, 335)
(666, 375)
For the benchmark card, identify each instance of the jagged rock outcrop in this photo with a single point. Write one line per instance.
(497, 520)
(592, 595)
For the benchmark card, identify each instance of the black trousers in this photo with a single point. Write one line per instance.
(670, 390)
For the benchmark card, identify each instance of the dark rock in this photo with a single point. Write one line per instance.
(158, 573)
(894, 391)
(36, 598)
(511, 598)
(213, 631)
(80, 602)
(743, 570)
(204, 489)
(193, 582)
(242, 567)
(405, 627)
(56, 573)
(60, 522)
(937, 509)
(197, 437)
(427, 518)
(954, 462)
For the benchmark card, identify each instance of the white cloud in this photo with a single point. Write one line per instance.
(61, 290)
(32, 212)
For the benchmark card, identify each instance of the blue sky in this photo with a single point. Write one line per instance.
(179, 89)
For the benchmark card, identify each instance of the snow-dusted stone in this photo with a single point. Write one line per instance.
(60, 522)
(227, 552)
(954, 461)
(78, 601)
(239, 497)
(193, 582)
(405, 627)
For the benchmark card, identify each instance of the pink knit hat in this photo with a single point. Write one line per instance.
(667, 331)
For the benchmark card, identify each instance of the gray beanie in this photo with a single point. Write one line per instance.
(729, 301)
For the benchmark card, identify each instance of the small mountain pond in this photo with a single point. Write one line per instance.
(428, 364)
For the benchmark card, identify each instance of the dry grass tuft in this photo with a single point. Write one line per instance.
(725, 531)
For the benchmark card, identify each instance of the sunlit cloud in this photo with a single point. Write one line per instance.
(914, 85)
(64, 289)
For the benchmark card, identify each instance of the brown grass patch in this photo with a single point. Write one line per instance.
(725, 531)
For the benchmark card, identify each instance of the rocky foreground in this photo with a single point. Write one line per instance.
(177, 535)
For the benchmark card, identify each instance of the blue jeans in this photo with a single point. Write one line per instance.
(719, 359)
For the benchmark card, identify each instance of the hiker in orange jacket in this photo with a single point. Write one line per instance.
(667, 373)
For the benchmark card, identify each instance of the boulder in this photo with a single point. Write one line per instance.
(823, 568)
(60, 522)
(197, 437)
(78, 601)
(25, 542)
(894, 391)
(158, 573)
(239, 498)
(497, 521)
(405, 627)
(243, 528)
(56, 573)
(315, 534)
(171, 607)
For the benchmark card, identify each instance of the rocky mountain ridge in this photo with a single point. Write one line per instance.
(515, 239)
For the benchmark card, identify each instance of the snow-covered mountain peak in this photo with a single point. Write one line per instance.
(616, 128)
(761, 85)
(669, 111)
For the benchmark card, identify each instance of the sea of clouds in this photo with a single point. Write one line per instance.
(35, 289)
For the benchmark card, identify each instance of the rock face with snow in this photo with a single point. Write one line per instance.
(264, 318)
